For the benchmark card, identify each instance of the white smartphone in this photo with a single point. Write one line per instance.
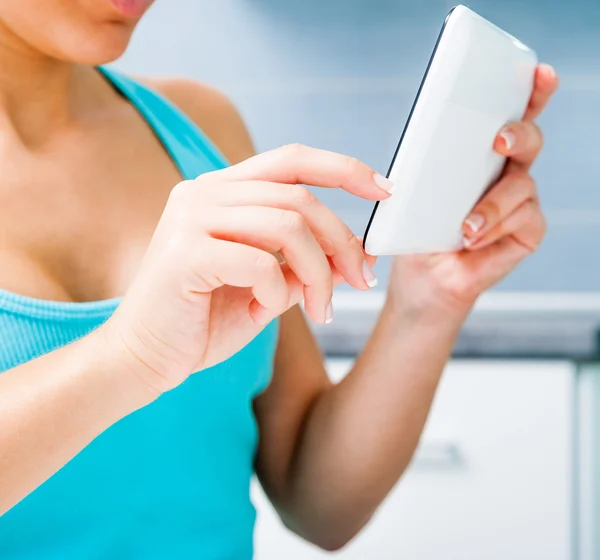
(478, 79)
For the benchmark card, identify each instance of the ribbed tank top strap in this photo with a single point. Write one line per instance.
(190, 148)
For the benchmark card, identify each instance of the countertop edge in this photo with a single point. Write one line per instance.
(501, 325)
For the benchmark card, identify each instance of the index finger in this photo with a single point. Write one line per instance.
(546, 83)
(297, 164)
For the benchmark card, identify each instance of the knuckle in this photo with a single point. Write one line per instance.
(188, 207)
(266, 263)
(323, 274)
(536, 224)
(531, 210)
(301, 196)
(526, 180)
(490, 209)
(206, 177)
(353, 166)
(181, 204)
(519, 176)
(522, 181)
(539, 217)
(543, 225)
(537, 134)
(537, 242)
(291, 222)
(530, 185)
(350, 240)
(181, 191)
(292, 151)
(323, 282)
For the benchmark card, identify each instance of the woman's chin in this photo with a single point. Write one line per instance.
(99, 48)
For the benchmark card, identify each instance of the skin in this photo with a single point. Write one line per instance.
(66, 142)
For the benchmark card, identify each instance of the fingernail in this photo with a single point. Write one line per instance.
(383, 183)
(467, 242)
(550, 70)
(475, 222)
(509, 137)
(369, 275)
(329, 313)
(262, 316)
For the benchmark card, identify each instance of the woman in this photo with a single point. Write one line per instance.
(109, 446)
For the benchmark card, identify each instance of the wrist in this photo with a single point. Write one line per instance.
(430, 309)
(116, 361)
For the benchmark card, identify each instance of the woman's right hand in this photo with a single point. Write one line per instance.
(210, 280)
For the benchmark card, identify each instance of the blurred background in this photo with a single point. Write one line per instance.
(507, 467)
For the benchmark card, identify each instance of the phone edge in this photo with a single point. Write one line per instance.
(410, 114)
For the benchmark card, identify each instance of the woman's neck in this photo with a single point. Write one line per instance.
(39, 95)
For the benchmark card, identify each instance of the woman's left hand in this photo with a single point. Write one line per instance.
(506, 226)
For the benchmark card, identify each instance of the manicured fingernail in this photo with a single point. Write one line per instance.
(475, 222)
(369, 275)
(329, 313)
(383, 183)
(467, 242)
(509, 137)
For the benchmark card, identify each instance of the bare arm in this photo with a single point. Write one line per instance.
(52, 407)
(356, 438)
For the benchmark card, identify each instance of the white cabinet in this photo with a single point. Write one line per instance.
(492, 479)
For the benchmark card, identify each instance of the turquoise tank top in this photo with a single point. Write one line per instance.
(172, 480)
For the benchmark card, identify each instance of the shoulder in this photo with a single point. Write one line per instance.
(212, 111)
